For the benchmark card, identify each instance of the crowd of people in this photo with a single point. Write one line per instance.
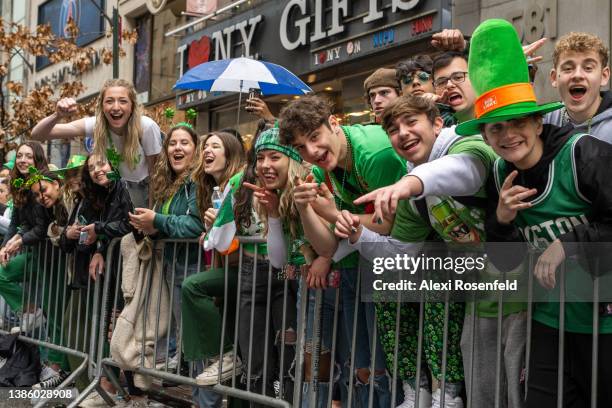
(456, 136)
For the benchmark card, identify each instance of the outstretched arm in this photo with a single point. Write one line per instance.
(49, 129)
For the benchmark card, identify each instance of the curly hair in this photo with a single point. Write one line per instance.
(287, 209)
(131, 144)
(21, 196)
(418, 63)
(164, 181)
(302, 116)
(408, 105)
(580, 43)
(205, 183)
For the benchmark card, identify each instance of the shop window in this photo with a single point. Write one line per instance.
(142, 57)
(164, 71)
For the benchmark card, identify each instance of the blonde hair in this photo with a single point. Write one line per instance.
(131, 142)
(286, 205)
(164, 181)
(234, 162)
(580, 42)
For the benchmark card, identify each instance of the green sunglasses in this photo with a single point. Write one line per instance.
(421, 76)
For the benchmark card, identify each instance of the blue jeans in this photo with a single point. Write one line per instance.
(204, 397)
(326, 337)
(364, 334)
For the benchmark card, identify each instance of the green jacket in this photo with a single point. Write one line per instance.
(180, 220)
(183, 217)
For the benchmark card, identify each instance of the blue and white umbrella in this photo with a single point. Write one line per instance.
(240, 75)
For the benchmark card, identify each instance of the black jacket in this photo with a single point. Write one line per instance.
(111, 222)
(592, 158)
(30, 221)
(82, 253)
(22, 365)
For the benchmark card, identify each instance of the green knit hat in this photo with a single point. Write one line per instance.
(76, 161)
(498, 72)
(269, 140)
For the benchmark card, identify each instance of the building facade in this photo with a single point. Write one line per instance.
(333, 45)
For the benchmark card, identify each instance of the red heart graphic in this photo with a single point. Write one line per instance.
(199, 52)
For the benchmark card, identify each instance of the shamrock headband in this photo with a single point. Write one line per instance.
(34, 176)
(269, 140)
(190, 114)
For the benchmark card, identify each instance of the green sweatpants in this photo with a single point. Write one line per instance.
(11, 278)
(202, 318)
(433, 332)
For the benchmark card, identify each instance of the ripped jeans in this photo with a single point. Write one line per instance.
(364, 333)
(340, 359)
(255, 351)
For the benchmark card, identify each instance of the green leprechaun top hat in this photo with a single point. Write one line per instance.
(498, 72)
(76, 161)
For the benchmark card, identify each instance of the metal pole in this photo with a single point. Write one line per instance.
(115, 43)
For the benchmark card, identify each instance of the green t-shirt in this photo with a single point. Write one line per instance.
(451, 220)
(375, 165)
(555, 211)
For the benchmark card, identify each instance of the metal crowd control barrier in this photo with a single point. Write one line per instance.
(78, 318)
(59, 318)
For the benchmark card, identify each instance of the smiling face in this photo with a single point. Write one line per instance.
(413, 136)
(460, 96)
(98, 167)
(517, 141)
(322, 147)
(579, 76)
(272, 169)
(117, 108)
(24, 159)
(380, 97)
(46, 192)
(180, 150)
(214, 157)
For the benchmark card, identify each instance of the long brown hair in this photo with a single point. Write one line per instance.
(234, 158)
(131, 142)
(164, 182)
(20, 195)
(286, 204)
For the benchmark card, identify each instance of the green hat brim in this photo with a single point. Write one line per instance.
(82, 159)
(517, 110)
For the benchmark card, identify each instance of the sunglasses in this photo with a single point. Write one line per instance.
(421, 76)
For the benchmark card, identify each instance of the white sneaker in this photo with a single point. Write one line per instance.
(410, 397)
(94, 400)
(449, 402)
(30, 322)
(172, 364)
(211, 373)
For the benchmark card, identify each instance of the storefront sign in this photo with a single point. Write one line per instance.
(193, 98)
(383, 38)
(307, 35)
(338, 10)
(66, 72)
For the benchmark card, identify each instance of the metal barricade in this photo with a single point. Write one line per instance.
(294, 343)
(50, 312)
